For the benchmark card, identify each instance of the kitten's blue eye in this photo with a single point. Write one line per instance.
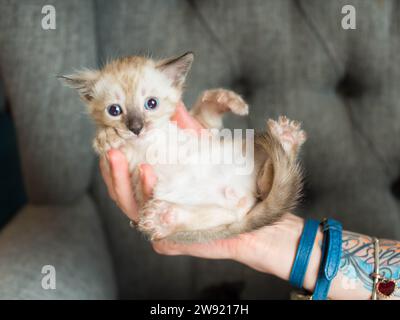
(151, 103)
(114, 110)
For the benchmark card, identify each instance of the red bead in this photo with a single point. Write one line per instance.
(386, 287)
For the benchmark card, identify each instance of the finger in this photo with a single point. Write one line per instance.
(122, 183)
(184, 119)
(218, 249)
(106, 174)
(148, 179)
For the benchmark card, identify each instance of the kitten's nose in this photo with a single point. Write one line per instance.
(136, 126)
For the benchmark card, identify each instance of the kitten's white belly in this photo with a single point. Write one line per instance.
(203, 185)
(203, 182)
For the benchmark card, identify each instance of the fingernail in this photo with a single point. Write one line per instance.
(107, 155)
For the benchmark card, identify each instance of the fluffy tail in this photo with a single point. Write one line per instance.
(278, 197)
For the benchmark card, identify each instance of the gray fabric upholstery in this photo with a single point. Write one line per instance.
(285, 57)
(71, 239)
(54, 153)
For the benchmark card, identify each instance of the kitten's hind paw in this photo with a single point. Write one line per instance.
(226, 100)
(158, 219)
(288, 132)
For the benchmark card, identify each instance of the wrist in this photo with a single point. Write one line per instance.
(272, 249)
(285, 252)
(287, 238)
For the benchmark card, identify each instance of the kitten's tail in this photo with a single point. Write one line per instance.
(278, 197)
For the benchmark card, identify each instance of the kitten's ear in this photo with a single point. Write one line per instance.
(177, 68)
(83, 81)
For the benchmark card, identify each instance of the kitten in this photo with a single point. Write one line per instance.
(132, 100)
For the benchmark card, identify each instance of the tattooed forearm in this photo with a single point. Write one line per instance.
(358, 263)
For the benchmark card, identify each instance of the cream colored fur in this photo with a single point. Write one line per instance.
(190, 202)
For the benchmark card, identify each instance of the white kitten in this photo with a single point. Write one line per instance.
(132, 100)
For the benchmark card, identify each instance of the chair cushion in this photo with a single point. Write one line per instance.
(68, 238)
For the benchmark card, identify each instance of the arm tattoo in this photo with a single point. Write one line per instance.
(358, 263)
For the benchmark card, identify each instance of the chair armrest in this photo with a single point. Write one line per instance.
(71, 239)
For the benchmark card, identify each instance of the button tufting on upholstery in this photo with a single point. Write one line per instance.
(349, 87)
(395, 188)
(243, 86)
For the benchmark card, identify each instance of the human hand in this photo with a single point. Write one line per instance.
(270, 249)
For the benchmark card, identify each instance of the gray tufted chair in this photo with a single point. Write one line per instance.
(286, 57)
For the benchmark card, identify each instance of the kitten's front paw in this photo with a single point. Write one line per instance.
(158, 219)
(226, 100)
(288, 132)
(107, 139)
